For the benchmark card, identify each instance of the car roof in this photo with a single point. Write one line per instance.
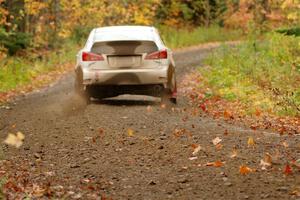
(125, 33)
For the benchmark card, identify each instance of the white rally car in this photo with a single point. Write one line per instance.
(125, 60)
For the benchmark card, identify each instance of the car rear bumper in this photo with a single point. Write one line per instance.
(125, 77)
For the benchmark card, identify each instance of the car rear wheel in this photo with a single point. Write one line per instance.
(169, 95)
(80, 89)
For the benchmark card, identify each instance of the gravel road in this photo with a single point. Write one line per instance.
(86, 152)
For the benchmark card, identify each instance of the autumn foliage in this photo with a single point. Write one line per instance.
(49, 22)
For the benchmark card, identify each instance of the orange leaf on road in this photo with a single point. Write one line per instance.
(219, 146)
(226, 132)
(218, 164)
(288, 170)
(227, 114)
(245, 170)
(251, 142)
(215, 164)
(130, 132)
(257, 112)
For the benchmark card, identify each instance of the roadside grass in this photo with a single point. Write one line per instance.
(21, 70)
(183, 37)
(16, 71)
(261, 74)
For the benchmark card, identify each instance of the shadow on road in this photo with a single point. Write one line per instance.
(127, 100)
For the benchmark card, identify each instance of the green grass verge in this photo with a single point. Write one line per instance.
(177, 38)
(16, 71)
(261, 74)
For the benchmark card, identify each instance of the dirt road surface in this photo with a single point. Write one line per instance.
(73, 151)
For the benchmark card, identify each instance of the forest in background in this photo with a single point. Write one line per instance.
(48, 24)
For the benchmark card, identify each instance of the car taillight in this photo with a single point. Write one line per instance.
(157, 55)
(87, 56)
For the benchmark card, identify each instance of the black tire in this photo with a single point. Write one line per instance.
(80, 88)
(168, 93)
(173, 100)
(167, 98)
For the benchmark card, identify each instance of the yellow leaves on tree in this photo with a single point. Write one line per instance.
(291, 9)
(3, 14)
(274, 13)
(34, 7)
(98, 13)
(173, 15)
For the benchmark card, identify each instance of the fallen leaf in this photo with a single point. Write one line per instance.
(101, 132)
(216, 141)
(215, 164)
(218, 164)
(163, 106)
(234, 153)
(257, 112)
(210, 164)
(285, 144)
(245, 170)
(203, 107)
(226, 132)
(193, 158)
(264, 164)
(287, 170)
(15, 140)
(268, 158)
(296, 193)
(130, 132)
(149, 109)
(20, 135)
(227, 114)
(282, 130)
(219, 146)
(253, 127)
(297, 163)
(49, 173)
(184, 167)
(251, 142)
(38, 191)
(196, 150)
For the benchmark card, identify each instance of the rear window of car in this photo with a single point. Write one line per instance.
(124, 47)
(123, 34)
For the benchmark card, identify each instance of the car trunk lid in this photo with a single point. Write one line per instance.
(125, 55)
